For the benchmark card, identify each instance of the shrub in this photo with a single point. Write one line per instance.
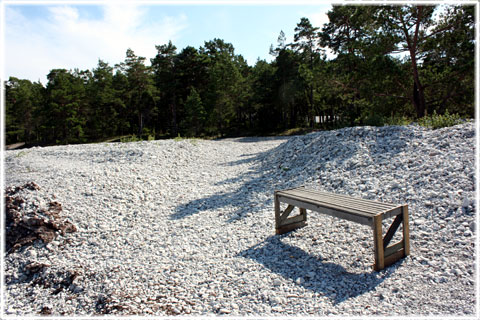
(132, 138)
(178, 138)
(436, 121)
(396, 120)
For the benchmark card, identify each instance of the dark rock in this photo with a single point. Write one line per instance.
(46, 310)
(24, 228)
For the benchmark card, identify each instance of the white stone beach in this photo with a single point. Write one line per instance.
(186, 227)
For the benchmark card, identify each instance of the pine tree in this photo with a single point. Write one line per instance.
(195, 114)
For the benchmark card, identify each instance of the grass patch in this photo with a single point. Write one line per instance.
(22, 154)
(397, 121)
(193, 141)
(132, 138)
(178, 138)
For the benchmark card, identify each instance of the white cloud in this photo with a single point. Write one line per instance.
(318, 19)
(66, 39)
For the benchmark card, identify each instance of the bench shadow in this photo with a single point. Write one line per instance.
(330, 279)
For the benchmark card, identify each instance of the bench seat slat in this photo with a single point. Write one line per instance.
(347, 203)
(364, 202)
(387, 212)
(358, 218)
(352, 215)
(323, 204)
(356, 201)
(344, 205)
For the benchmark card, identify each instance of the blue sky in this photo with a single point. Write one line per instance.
(59, 34)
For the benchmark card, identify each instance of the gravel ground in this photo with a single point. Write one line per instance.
(187, 227)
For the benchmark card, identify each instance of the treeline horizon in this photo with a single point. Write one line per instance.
(391, 63)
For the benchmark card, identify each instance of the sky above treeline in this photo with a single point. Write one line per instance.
(40, 35)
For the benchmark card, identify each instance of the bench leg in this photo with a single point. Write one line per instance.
(303, 213)
(406, 231)
(283, 223)
(277, 212)
(387, 255)
(378, 242)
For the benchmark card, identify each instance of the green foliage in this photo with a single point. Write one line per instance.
(178, 138)
(22, 154)
(165, 79)
(105, 105)
(195, 114)
(436, 121)
(140, 91)
(66, 106)
(212, 91)
(132, 138)
(193, 141)
(374, 119)
(23, 104)
(397, 120)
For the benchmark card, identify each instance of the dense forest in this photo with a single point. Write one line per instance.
(390, 63)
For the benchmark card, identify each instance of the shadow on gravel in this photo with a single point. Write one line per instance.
(270, 170)
(328, 278)
(244, 199)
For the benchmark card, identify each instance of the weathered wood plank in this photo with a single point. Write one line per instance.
(290, 227)
(393, 248)
(392, 213)
(277, 210)
(406, 230)
(323, 204)
(343, 196)
(348, 199)
(378, 243)
(394, 257)
(339, 197)
(303, 212)
(293, 219)
(345, 204)
(286, 213)
(333, 202)
(355, 217)
(369, 205)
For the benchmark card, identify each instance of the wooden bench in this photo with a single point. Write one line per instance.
(366, 212)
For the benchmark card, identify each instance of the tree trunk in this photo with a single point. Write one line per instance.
(293, 116)
(419, 99)
(312, 109)
(140, 122)
(174, 116)
(418, 90)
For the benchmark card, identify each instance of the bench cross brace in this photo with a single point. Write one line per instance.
(284, 223)
(391, 231)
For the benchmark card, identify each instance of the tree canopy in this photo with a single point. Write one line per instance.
(385, 62)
